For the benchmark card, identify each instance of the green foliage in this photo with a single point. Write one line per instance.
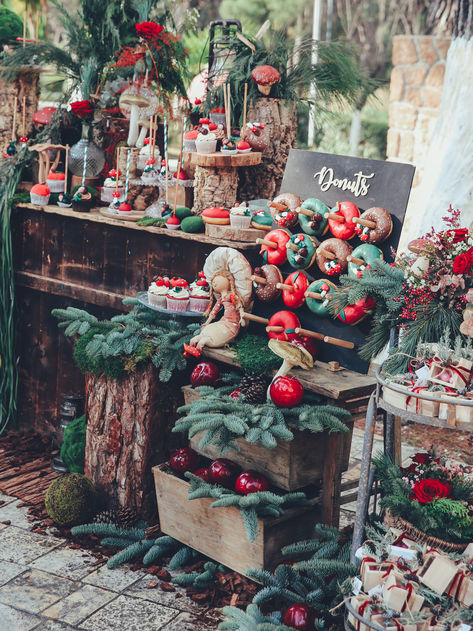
(11, 26)
(260, 504)
(197, 579)
(151, 221)
(73, 445)
(251, 620)
(70, 499)
(254, 355)
(223, 419)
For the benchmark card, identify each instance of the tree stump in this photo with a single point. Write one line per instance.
(26, 84)
(214, 187)
(280, 120)
(128, 431)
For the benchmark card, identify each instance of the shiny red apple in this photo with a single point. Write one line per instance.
(299, 616)
(286, 392)
(224, 472)
(184, 460)
(204, 474)
(205, 374)
(251, 482)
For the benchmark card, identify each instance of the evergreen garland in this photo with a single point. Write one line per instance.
(252, 506)
(251, 620)
(199, 579)
(223, 419)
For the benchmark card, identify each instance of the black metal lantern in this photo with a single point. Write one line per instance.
(72, 407)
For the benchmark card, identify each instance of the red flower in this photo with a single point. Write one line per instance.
(148, 30)
(421, 458)
(428, 490)
(412, 468)
(460, 234)
(82, 109)
(462, 263)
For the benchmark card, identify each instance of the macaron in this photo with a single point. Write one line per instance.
(124, 208)
(216, 215)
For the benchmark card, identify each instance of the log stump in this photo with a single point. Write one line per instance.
(280, 120)
(26, 84)
(129, 425)
(214, 187)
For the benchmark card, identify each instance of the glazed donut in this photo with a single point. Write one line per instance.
(352, 314)
(368, 254)
(289, 200)
(381, 231)
(288, 320)
(262, 220)
(216, 215)
(268, 292)
(343, 229)
(315, 225)
(295, 298)
(319, 305)
(276, 256)
(340, 250)
(301, 249)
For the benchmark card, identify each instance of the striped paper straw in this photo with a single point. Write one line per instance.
(84, 167)
(166, 138)
(127, 177)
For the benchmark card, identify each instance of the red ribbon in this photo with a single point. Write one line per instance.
(361, 611)
(409, 590)
(457, 583)
(456, 369)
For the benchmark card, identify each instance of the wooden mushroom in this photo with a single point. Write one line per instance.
(265, 77)
(291, 355)
(133, 102)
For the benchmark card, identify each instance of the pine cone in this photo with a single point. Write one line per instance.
(127, 517)
(105, 517)
(253, 388)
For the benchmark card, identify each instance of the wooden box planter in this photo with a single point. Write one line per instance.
(220, 534)
(291, 465)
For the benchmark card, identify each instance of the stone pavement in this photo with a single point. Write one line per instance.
(47, 586)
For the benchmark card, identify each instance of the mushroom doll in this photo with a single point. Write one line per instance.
(229, 275)
(265, 77)
(137, 104)
(286, 391)
(421, 263)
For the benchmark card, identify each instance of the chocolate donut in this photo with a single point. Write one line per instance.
(339, 264)
(344, 229)
(383, 228)
(276, 256)
(296, 298)
(304, 256)
(316, 225)
(268, 292)
(288, 320)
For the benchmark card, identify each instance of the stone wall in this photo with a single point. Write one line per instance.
(415, 93)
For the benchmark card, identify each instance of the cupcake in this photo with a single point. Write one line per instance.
(39, 195)
(206, 142)
(55, 182)
(228, 147)
(243, 147)
(240, 216)
(64, 200)
(144, 155)
(158, 291)
(177, 298)
(189, 140)
(150, 173)
(82, 200)
(216, 215)
(110, 187)
(199, 294)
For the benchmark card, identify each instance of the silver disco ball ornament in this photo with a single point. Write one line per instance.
(95, 158)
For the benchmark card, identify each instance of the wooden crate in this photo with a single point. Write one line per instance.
(220, 534)
(291, 465)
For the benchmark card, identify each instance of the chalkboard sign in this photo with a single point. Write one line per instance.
(332, 179)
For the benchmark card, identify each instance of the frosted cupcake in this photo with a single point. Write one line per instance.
(55, 182)
(177, 299)
(199, 294)
(189, 140)
(144, 155)
(228, 147)
(110, 186)
(206, 142)
(39, 195)
(158, 291)
(240, 216)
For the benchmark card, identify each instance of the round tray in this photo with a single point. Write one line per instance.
(133, 215)
(142, 297)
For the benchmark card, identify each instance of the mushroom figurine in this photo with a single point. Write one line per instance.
(137, 103)
(43, 116)
(145, 125)
(291, 355)
(421, 264)
(265, 77)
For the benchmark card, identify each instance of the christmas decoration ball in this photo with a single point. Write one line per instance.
(299, 616)
(71, 499)
(204, 474)
(183, 460)
(286, 392)
(205, 374)
(224, 472)
(251, 482)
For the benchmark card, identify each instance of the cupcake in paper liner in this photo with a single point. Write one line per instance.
(55, 181)
(177, 299)
(40, 194)
(240, 216)
(158, 290)
(199, 294)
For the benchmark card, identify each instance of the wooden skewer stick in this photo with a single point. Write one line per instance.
(270, 244)
(259, 279)
(178, 166)
(13, 129)
(245, 98)
(150, 146)
(66, 167)
(118, 163)
(36, 30)
(274, 329)
(291, 246)
(317, 336)
(23, 118)
(255, 318)
(314, 295)
(284, 286)
(356, 261)
(336, 342)
(335, 217)
(305, 211)
(229, 111)
(225, 105)
(364, 222)
(155, 129)
(326, 253)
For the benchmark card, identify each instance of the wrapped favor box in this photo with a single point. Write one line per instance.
(373, 574)
(397, 399)
(457, 374)
(401, 597)
(438, 572)
(360, 603)
(422, 406)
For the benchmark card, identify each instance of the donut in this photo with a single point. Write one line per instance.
(268, 292)
(286, 319)
(304, 255)
(352, 314)
(262, 220)
(296, 298)
(315, 225)
(339, 264)
(283, 216)
(276, 256)
(368, 253)
(383, 228)
(216, 215)
(344, 229)
(316, 305)
(289, 200)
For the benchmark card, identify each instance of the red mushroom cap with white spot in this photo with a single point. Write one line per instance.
(265, 77)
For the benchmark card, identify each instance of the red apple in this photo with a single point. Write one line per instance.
(286, 392)
(204, 474)
(299, 616)
(251, 482)
(184, 460)
(224, 472)
(205, 374)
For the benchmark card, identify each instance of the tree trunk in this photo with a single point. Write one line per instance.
(128, 432)
(214, 187)
(280, 120)
(26, 84)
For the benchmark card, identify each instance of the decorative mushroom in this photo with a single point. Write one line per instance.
(145, 125)
(265, 77)
(421, 264)
(137, 103)
(43, 116)
(291, 355)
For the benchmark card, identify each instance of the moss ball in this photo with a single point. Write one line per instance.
(192, 224)
(71, 499)
(182, 212)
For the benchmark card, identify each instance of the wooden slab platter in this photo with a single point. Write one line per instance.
(133, 215)
(220, 159)
(233, 234)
